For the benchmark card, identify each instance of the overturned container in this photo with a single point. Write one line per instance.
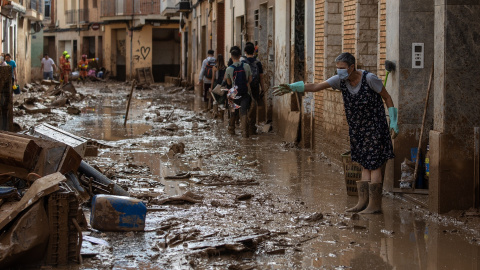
(117, 213)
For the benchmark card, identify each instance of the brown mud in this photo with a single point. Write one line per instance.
(254, 203)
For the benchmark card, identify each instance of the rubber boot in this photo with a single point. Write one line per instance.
(215, 111)
(231, 124)
(374, 199)
(244, 126)
(362, 188)
(221, 114)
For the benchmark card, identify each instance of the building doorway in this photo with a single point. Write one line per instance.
(119, 39)
(166, 55)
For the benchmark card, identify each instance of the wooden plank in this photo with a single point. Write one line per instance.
(70, 162)
(37, 108)
(291, 130)
(476, 167)
(40, 188)
(49, 132)
(410, 191)
(6, 99)
(18, 151)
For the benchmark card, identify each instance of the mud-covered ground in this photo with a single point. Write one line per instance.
(254, 203)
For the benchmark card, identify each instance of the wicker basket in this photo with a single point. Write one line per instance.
(353, 173)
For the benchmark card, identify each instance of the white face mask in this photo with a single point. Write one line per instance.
(342, 73)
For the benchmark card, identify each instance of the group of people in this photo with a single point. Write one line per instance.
(48, 67)
(237, 86)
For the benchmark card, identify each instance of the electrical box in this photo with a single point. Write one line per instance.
(417, 55)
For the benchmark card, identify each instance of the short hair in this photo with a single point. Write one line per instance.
(8, 55)
(250, 48)
(45, 54)
(235, 54)
(249, 43)
(211, 52)
(233, 48)
(346, 58)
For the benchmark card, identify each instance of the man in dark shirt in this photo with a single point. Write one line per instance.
(257, 86)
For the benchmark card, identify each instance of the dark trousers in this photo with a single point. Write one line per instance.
(206, 90)
(244, 103)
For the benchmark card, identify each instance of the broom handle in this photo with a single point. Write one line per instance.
(421, 130)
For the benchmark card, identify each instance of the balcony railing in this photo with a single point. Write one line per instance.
(73, 16)
(112, 8)
(83, 15)
(35, 5)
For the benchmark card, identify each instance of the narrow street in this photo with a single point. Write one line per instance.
(287, 203)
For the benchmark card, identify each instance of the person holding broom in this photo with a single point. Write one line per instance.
(370, 135)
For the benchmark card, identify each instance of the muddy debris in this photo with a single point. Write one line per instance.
(177, 148)
(73, 110)
(225, 180)
(187, 197)
(244, 197)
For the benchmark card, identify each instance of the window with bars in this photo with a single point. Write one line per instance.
(47, 8)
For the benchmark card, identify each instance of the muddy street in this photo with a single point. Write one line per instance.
(216, 201)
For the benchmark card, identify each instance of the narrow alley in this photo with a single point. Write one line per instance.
(288, 203)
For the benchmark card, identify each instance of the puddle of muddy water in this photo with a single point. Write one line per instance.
(104, 120)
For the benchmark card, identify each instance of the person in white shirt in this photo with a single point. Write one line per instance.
(48, 66)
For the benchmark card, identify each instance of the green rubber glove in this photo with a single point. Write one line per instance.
(283, 89)
(393, 113)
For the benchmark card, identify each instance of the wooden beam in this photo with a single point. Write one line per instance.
(18, 151)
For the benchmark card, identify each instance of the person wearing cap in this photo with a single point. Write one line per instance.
(83, 67)
(66, 68)
(61, 64)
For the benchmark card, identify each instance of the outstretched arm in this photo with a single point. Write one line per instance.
(315, 87)
(283, 89)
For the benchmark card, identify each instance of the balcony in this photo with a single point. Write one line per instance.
(112, 8)
(168, 8)
(75, 16)
(34, 10)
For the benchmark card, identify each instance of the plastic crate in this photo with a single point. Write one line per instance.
(353, 173)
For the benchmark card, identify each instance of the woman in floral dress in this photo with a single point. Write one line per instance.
(370, 139)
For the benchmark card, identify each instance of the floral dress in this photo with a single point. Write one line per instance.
(370, 141)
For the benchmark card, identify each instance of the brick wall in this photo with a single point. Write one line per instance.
(330, 126)
(319, 39)
(367, 43)
(382, 38)
(319, 70)
(331, 132)
(349, 29)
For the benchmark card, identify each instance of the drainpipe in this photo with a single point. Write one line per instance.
(245, 20)
(131, 40)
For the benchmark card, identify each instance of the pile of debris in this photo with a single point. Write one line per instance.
(43, 183)
(42, 97)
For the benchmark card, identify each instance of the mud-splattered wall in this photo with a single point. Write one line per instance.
(456, 99)
(408, 22)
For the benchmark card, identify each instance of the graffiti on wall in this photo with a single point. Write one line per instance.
(142, 54)
(144, 51)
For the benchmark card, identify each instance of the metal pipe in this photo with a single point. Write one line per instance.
(89, 171)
